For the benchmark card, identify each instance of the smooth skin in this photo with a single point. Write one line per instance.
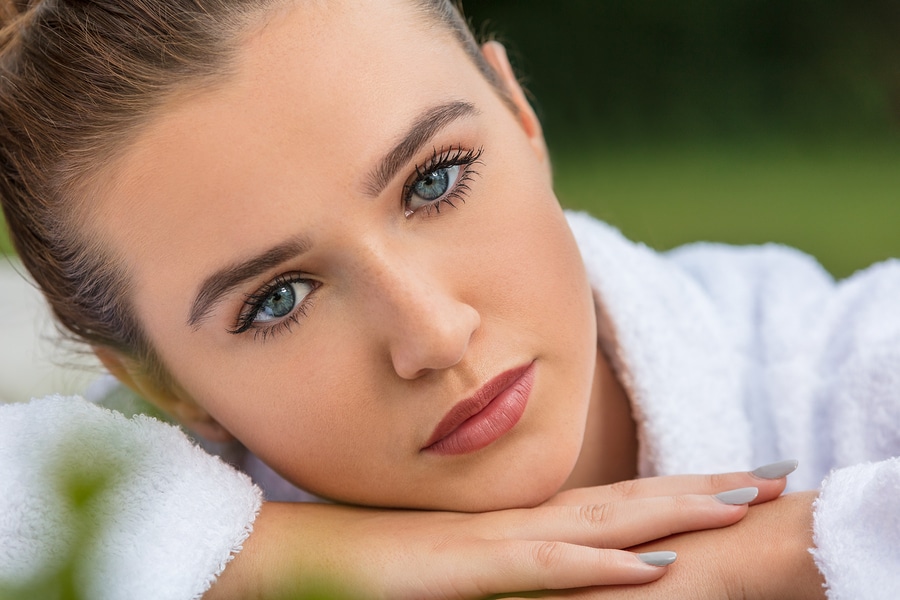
(293, 176)
(561, 545)
(404, 316)
(762, 557)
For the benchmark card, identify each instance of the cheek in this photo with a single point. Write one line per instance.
(320, 404)
(532, 263)
(539, 298)
(308, 414)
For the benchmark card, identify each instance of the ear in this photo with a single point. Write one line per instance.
(495, 54)
(175, 404)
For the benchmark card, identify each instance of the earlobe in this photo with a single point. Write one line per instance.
(495, 54)
(183, 410)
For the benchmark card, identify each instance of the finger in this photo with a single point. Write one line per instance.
(516, 566)
(770, 480)
(616, 592)
(628, 522)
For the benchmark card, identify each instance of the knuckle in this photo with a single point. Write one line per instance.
(681, 504)
(594, 515)
(548, 556)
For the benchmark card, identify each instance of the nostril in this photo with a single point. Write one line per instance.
(418, 348)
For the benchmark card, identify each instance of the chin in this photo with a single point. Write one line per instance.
(510, 498)
(524, 492)
(535, 481)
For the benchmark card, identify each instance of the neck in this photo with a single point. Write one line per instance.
(610, 446)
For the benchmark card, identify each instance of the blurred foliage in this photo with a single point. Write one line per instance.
(625, 69)
(81, 486)
(741, 121)
(839, 202)
(5, 244)
(85, 492)
(732, 120)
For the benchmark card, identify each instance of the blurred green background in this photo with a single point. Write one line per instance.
(741, 121)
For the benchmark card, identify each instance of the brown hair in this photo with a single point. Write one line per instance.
(77, 78)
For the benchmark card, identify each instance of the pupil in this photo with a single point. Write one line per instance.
(280, 303)
(434, 185)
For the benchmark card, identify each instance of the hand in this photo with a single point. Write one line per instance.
(764, 556)
(569, 542)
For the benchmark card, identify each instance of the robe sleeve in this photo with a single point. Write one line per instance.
(857, 525)
(857, 516)
(129, 508)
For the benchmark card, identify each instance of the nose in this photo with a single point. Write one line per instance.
(426, 326)
(434, 337)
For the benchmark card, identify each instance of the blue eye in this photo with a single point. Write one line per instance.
(433, 185)
(442, 180)
(281, 302)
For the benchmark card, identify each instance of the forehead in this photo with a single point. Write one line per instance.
(319, 92)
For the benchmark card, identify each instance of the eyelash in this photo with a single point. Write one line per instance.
(444, 158)
(253, 304)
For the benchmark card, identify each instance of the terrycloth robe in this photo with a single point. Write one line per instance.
(741, 356)
(733, 357)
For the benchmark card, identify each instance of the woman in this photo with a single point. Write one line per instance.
(341, 247)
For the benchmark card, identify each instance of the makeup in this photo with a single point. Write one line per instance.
(486, 416)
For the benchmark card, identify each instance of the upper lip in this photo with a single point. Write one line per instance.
(474, 404)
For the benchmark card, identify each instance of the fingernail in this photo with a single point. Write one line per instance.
(739, 496)
(776, 470)
(658, 559)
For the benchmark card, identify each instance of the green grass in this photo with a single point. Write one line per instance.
(5, 246)
(837, 201)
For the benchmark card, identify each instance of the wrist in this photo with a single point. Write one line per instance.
(293, 548)
(782, 549)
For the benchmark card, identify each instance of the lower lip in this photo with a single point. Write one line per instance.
(491, 423)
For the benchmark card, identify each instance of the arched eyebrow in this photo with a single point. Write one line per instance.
(225, 280)
(422, 130)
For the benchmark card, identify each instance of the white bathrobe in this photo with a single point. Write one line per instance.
(742, 356)
(733, 358)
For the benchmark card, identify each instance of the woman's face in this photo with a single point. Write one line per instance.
(351, 257)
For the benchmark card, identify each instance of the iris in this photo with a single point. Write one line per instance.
(436, 183)
(279, 303)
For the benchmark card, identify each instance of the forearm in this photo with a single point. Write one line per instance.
(294, 547)
(569, 543)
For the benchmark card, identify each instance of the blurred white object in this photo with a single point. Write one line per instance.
(33, 361)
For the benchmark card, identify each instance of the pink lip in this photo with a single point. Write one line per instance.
(486, 416)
